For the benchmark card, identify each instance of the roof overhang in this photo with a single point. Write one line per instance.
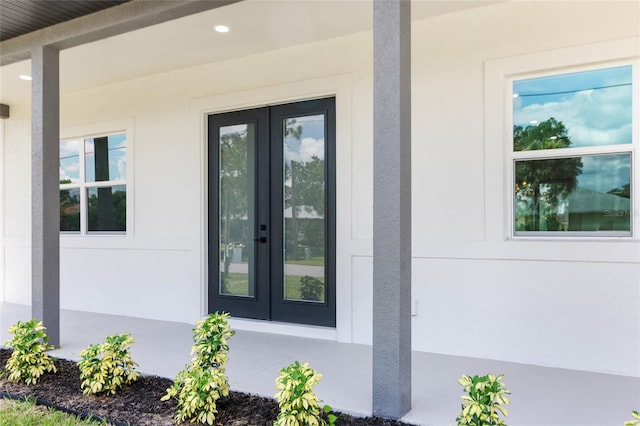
(126, 17)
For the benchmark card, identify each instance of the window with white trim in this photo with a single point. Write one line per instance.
(572, 152)
(93, 185)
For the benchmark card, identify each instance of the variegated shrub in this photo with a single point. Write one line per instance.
(482, 406)
(108, 366)
(29, 359)
(299, 405)
(199, 386)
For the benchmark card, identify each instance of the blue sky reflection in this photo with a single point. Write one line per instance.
(311, 141)
(595, 107)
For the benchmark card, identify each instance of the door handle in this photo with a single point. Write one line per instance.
(261, 239)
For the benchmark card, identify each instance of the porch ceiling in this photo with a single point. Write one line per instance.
(256, 26)
(18, 17)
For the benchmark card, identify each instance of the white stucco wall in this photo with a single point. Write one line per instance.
(573, 304)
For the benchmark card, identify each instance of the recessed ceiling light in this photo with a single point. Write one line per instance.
(25, 77)
(221, 28)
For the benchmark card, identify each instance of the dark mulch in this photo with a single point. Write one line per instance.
(139, 404)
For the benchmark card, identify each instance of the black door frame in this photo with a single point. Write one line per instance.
(268, 302)
(247, 307)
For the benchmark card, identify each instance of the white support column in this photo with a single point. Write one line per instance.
(391, 207)
(45, 190)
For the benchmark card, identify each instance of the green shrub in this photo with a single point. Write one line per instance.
(197, 390)
(29, 359)
(299, 405)
(635, 421)
(199, 386)
(108, 366)
(210, 349)
(311, 288)
(482, 406)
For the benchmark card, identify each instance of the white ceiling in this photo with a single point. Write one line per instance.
(256, 26)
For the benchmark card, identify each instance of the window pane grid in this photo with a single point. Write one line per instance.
(572, 154)
(93, 184)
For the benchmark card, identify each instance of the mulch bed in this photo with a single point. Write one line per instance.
(139, 404)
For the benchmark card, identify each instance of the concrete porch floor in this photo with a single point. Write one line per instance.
(540, 395)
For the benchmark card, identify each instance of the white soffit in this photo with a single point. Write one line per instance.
(256, 26)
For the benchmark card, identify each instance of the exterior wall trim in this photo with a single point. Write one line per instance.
(497, 171)
(340, 87)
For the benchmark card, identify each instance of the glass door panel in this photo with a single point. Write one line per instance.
(235, 215)
(303, 212)
(238, 217)
(303, 208)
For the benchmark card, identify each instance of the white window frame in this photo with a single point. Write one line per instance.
(81, 133)
(629, 148)
(500, 157)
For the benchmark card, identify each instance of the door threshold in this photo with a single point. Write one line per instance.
(287, 329)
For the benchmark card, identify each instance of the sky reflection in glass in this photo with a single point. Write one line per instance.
(595, 106)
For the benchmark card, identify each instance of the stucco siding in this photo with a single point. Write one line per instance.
(571, 304)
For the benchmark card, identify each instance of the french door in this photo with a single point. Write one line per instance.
(272, 212)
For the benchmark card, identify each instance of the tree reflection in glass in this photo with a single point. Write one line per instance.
(236, 210)
(304, 208)
(571, 149)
